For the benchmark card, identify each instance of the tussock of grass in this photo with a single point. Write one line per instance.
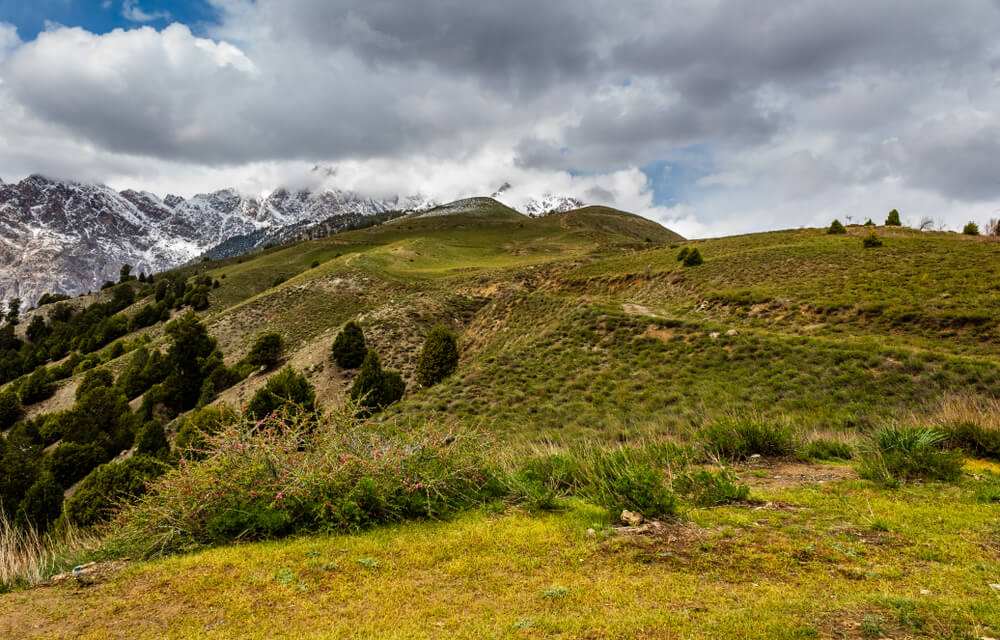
(27, 557)
(893, 454)
(738, 438)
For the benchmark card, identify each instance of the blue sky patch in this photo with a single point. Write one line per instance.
(100, 16)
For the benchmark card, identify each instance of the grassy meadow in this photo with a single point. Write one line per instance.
(817, 424)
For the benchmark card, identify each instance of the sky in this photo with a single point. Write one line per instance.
(713, 117)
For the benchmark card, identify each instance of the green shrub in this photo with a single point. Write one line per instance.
(738, 439)
(822, 449)
(150, 440)
(870, 223)
(871, 240)
(971, 229)
(10, 409)
(42, 504)
(93, 379)
(893, 219)
(349, 348)
(836, 228)
(693, 258)
(978, 441)
(107, 486)
(37, 387)
(267, 350)
(288, 391)
(683, 253)
(72, 461)
(191, 437)
(626, 478)
(315, 263)
(439, 357)
(306, 473)
(894, 454)
(707, 488)
(373, 388)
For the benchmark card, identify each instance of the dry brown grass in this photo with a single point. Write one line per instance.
(959, 409)
(28, 558)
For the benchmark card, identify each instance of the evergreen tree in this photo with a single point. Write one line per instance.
(971, 229)
(836, 228)
(108, 485)
(267, 350)
(893, 219)
(72, 461)
(125, 273)
(37, 329)
(693, 258)
(871, 240)
(683, 253)
(152, 441)
(14, 310)
(10, 409)
(191, 346)
(374, 388)
(37, 387)
(349, 349)
(439, 357)
(42, 503)
(93, 379)
(18, 471)
(286, 390)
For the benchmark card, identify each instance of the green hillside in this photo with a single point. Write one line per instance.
(798, 414)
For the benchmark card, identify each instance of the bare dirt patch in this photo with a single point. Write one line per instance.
(764, 473)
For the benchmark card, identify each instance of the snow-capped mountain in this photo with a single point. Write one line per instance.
(70, 237)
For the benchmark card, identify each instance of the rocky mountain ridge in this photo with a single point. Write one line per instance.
(70, 237)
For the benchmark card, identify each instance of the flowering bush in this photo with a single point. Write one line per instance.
(301, 472)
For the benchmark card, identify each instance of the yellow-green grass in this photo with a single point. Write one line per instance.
(812, 561)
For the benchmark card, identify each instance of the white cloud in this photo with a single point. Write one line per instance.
(132, 11)
(806, 112)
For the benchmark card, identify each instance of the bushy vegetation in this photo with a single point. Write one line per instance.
(836, 228)
(693, 258)
(110, 485)
(375, 388)
(710, 488)
(894, 454)
(739, 438)
(287, 391)
(439, 357)
(975, 439)
(305, 473)
(871, 240)
(893, 219)
(824, 449)
(971, 229)
(349, 348)
(267, 350)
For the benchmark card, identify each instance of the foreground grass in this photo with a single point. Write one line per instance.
(819, 560)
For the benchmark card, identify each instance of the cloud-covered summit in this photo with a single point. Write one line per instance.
(713, 117)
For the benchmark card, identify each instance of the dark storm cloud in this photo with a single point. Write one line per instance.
(862, 93)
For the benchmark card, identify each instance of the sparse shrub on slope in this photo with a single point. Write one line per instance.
(439, 357)
(693, 258)
(971, 229)
(349, 348)
(973, 438)
(836, 228)
(374, 388)
(871, 240)
(683, 253)
(893, 219)
(93, 379)
(267, 350)
(10, 409)
(288, 391)
(37, 387)
(191, 437)
(109, 485)
(738, 439)
(72, 461)
(42, 504)
(150, 440)
(894, 454)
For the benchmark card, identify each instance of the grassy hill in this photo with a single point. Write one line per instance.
(582, 329)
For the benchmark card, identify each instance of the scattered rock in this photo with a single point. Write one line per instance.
(631, 518)
(995, 586)
(714, 335)
(732, 332)
(591, 532)
(925, 592)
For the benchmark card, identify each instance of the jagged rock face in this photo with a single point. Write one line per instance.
(69, 237)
